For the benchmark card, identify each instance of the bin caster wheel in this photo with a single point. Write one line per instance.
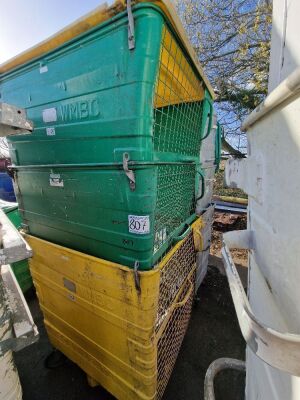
(91, 381)
(55, 359)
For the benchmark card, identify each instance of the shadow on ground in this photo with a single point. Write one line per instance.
(213, 332)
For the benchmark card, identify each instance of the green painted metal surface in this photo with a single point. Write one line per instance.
(92, 101)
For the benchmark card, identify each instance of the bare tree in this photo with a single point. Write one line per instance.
(232, 41)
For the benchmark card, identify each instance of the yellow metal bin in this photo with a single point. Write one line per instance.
(123, 328)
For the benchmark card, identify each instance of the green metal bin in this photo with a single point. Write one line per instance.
(111, 167)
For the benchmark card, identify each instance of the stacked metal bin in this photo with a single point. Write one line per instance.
(210, 155)
(108, 184)
(124, 330)
(111, 166)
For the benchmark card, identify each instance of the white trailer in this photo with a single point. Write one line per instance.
(269, 315)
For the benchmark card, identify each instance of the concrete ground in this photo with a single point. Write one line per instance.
(213, 332)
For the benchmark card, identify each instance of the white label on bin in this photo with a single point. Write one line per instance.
(50, 131)
(43, 69)
(139, 224)
(50, 115)
(55, 180)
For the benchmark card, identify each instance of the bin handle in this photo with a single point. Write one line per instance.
(278, 349)
(209, 115)
(182, 236)
(202, 185)
(186, 297)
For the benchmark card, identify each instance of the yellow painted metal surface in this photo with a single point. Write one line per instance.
(125, 339)
(94, 18)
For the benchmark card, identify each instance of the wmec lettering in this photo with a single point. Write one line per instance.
(80, 110)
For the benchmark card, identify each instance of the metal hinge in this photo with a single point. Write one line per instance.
(131, 36)
(129, 173)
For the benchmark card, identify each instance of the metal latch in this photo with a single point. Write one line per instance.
(278, 349)
(129, 173)
(131, 35)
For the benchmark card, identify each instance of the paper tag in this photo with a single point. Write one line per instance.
(50, 131)
(43, 69)
(50, 115)
(55, 180)
(139, 224)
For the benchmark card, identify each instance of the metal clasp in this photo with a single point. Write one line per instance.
(131, 35)
(129, 173)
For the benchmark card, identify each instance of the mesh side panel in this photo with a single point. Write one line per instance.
(177, 103)
(175, 200)
(171, 339)
(173, 275)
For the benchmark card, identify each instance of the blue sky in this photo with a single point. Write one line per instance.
(23, 23)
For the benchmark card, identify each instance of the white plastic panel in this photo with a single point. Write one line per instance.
(273, 185)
